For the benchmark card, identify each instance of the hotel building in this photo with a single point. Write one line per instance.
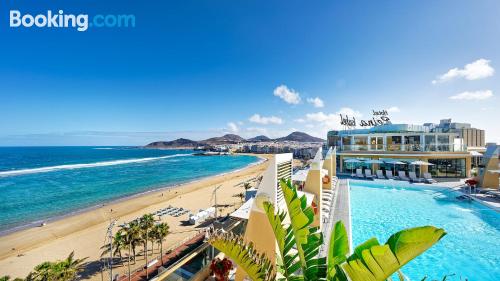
(445, 149)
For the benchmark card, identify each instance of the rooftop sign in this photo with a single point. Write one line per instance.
(379, 117)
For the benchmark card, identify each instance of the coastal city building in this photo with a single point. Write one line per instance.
(300, 150)
(406, 143)
(471, 137)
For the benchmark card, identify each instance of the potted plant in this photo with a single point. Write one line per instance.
(220, 269)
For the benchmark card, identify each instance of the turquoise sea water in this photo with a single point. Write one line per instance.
(37, 183)
(470, 250)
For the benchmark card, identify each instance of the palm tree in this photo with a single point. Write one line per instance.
(119, 244)
(133, 236)
(160, 233)
(242, 196)
(70, 267)
(65, 270)
(146, 222)
(370, 260)
(247, 186)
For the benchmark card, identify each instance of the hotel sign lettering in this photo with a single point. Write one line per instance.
(379, 117)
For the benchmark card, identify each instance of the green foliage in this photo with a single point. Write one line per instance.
(372, 261)
(299, 243)
(257, 266)
(65, 270)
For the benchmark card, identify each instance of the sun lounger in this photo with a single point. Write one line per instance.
(368, 174)
(495, 194)
(389, 175)
(413, 177)
(359, 173)
(428, 178)
(380, 175)
(402, 176)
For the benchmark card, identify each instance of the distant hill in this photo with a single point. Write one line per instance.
(229, 139)
(300, 137)
(225, 139)
(178, 143)
(259, 138)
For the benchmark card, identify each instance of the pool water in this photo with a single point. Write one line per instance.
(470, 250)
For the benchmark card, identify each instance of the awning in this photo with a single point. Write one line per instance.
(243, 212)
(475, 153)
(300, 175)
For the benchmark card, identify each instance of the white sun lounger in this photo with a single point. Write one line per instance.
(380, 175)
(402, 176)
(413, 177)
(389, 175)
(359, 173)
(368, 174)
(428, 178)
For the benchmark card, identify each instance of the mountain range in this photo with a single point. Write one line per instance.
(231, 139)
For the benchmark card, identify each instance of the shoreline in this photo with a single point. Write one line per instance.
(124, 198)
(21, 250)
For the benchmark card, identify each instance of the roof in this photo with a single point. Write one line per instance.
(243, 212)
(300, 175)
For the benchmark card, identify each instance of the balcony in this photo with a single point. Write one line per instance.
(405, 147)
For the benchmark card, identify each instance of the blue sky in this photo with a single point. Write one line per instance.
(202, 68)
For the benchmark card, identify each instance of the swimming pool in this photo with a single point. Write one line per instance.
(470, 250)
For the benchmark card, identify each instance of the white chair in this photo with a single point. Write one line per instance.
(380, 175)
(359, 173)
(389, 175)
(368, 174)
(428, 178)
(402, 176)
(413, 177)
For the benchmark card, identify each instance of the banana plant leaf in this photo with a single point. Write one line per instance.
(307, 239)
(372, 261)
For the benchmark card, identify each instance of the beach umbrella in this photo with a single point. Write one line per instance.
(374, 161)
(396, 162)
(352, 160)
(421, 163)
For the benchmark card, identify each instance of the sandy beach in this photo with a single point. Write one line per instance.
(84, 233)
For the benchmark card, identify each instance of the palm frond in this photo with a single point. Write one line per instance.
(256, 265)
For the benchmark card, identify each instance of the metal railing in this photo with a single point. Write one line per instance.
(404, 147)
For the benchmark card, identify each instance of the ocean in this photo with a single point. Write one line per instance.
(39, 183)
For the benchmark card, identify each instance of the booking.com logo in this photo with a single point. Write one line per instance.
(61, 20)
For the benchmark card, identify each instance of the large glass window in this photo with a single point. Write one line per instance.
(394, 143)
(443, 143)
(361, 143)
(430, 143)
(412, 143)
(447, 168)
(376, 143)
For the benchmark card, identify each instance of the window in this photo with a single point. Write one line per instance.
(430, 143)
(447, 168)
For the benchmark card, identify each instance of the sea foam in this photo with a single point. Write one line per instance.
(85, 165)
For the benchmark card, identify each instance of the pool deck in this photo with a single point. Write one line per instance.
(341, 211)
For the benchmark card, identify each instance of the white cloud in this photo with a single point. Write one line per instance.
(477, 95)
(232, 127)
(288, 95)
(300, 120)
(256, 118)
(317, 102)
(472, 71)
(331, 121)
(393, 109)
